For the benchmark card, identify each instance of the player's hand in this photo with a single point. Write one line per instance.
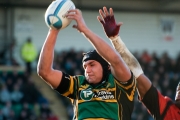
(108, 22)
(76, 15)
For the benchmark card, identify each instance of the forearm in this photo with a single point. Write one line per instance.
(118, 67)
(102, 47)
(127, 56)
(143, 83)
(47, 52)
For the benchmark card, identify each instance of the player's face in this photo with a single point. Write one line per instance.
(177, 97)
(93, 71)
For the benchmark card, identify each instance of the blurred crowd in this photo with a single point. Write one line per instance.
(20, 99)
(163, 71)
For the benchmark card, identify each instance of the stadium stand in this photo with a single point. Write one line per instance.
(20, 99)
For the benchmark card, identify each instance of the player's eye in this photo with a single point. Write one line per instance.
(91, 65)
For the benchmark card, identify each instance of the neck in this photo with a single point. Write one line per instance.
(177, 103)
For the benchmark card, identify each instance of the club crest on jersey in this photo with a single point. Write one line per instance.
(86, 94)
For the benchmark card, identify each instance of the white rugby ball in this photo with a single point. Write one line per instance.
(55, 14)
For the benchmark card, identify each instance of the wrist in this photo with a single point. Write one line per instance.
(54, 31)
(118, 44)
(85, 30)
(114, 38)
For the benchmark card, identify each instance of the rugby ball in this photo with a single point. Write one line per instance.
(55, 14)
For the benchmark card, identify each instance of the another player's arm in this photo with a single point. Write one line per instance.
(119, 68)
(45, 71)
(143, 83)
(112, 30)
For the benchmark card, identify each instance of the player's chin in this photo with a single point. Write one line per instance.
(89, 80)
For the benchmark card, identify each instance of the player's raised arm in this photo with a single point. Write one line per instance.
(111, 29)
(55, 21)
(44, 68)
(118, 67)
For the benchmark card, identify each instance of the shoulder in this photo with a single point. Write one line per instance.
(131, 81)
(80, 78)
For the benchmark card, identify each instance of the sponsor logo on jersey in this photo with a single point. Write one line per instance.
(104, 95)
(86, 94)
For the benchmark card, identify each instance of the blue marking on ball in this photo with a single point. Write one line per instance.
(48, 19)
(58, 24)
(56, 19)
(59, 7)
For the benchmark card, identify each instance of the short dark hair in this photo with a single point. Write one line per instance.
(93, 55)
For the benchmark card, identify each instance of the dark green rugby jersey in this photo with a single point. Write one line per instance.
(110, 100)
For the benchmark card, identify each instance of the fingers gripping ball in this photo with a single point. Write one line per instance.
(55, 14)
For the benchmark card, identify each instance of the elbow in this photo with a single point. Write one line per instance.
(126, 74)
(41, 71)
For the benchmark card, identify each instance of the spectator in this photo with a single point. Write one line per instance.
(6, 110)
(30, 92)
(11, 116)
(16, 95)
(5, 95)
(2, 117)
(11, 107)
(52, 117)
(29, 54)
(45, 109)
